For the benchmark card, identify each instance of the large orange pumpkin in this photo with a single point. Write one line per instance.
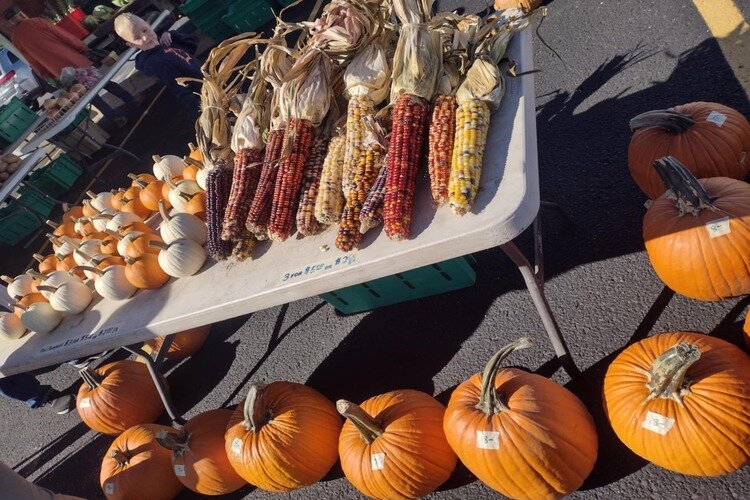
(137, 467)
(697, 234)
(393, 445)
(682, 401)
(184, 344)
(284, 437)
(198, 456)
(520, 433)
(712, 140)
(117, 396)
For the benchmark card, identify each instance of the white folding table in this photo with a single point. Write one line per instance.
(507, 204)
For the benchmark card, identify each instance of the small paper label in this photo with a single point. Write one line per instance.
(658, 423)
(109, 488)
(179, 470)
(85, 403)
(488, 440)
(377, 461)
(718, 227)
(717, 118)
(236, 446)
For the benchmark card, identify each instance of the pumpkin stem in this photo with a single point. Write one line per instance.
(673, 121)
(6, 279)
(91, 194)
(667, 374)
(47, 288)
(368, 427)
(256, 411)
(90, 377)
(36, 274)
(158, 244)
(682, 186)
(193, 162)
(51, 224)
(120, 457)
(113, 234)
(38, 257)
(490, 402)
(163, 211)
(156, 158)
(176, 442)
(86, 268)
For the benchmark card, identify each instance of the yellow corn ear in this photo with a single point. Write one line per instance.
(472, 125)
(358, 108)
(330, 200)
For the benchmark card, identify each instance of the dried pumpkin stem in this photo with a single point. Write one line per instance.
(90, 377)
(256, 412)
(671, 120)
(368, 427)
(163, 211)
(490, 402)
(120, 457)
(667, 374)
(177, 442)
(6, 279)
(682, 186)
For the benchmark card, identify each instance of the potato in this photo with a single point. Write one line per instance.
(12, 168)
(4, 176)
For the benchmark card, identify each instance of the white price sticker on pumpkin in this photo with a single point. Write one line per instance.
(85, 403)
(236, 446)
(717, 118)
(657, 423)
(488, 440)
(377, 461)
(179, 470)
(109, 488)
(718, 227)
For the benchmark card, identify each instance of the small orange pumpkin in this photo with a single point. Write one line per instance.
(87, 210)
(140, 245)
(190, 172)
(141, 180)
(195, 153)
(184, 344)
(27, 300)
(67, 228)
(74, 212)
(116, 199)
(46, 264)
(144, 272)
(151, 194)
(136, 226)
(746, 331)
(196, 204)
(166, 188)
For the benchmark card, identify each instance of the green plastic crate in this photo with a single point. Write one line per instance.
(218, 30)
(425, 281)
(36, 201)
(16, 223)
(207, 15)
(250, 15)
(57, 177)
(15, 119)
(202, 7)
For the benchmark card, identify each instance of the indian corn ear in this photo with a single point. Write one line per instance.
(371, 214)
(472, 124)
(330, 200)
(359, 107)
(260, 208)
(440, 148)
(244, 244)
(218, 186)
(307, 224)
(247, 167)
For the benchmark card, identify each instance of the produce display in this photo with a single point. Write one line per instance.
(8, 165)
(62, 100)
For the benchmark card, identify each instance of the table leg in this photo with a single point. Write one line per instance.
(542, 307)
(161, 354)
(158, 382)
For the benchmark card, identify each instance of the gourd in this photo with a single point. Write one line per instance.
(71, 297)
(20, 286)
(117, 396)
(198, 456)
(137, 467)
(144, 272)
(183, 345)
(39, 317)
(522, 434)
(11, 326)
(682, 401)
(179, 190)
(111, 282)
(181, 225)
(181, 258)
(710, 139)
(283, 437)
(384, 445)
(100, 201)
(167, 166)
(697, 234)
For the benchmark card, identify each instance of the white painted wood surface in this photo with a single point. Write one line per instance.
(507, 204)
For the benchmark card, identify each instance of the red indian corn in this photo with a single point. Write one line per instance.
(307, 224)
(371, 214)
(260, 208)
(409, 117)
(297, 147)
(247, 167)
(440, 149)
(218, 185)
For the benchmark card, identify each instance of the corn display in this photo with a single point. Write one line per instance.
(330, 200)
(367, 170)
(218, 186)
(260, 208)
(358, 108)
(298, 144)
(440, 146)
(307, 224)
(371, 214)
(472, 124)
(409, 117)
(247, 166)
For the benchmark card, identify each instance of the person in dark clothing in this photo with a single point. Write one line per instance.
(26, 388)
(167, 57)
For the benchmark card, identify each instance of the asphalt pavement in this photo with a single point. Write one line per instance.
(618, 59)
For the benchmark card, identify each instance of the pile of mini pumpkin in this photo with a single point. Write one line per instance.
(109, 245)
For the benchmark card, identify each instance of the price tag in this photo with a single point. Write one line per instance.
(85, 403)
(488, 440)
(236, 446)
(179, 470)
(717, 118)
(718, 227)
(109, 488)
(657, 423)
(377, 461)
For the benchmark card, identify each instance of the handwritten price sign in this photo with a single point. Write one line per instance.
(318, 268)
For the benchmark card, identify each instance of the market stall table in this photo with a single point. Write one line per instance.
(507, 204)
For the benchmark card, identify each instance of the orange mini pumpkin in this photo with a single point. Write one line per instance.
(72, 213)
(145, 272)
(682, 401)
(151, 194)
(46, 264)
(140, 245)
(196, 205)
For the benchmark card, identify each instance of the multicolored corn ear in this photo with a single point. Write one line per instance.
(330, 200)
(371, 214)
(359, 107)
(440, 147)
(218, 186)
(260, 208)
(247, 167)
(307, 224)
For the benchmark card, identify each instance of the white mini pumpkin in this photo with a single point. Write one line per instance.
(167, 166)
(20, 286)
(101, 201)
(111, 282)
(181, 225)
(85, 250)
(11, 326)
(201, 177)
(55, 279)
(120, 220)
(177, 190)
(40, 317)
(181, 258)
(71, 297)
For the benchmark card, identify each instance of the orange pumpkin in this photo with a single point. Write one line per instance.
(72, 213)
(65, 229)
(151, 194)
(67, 263)
(698, 236)
(141, 179)
(393, 446)
(136, 226)
(137, 467)
(746, 331)
(117, 199)
(109, 243)
(46, 264)
(190, 172)
(520, 433)
(712, 140)
(198, 456)
(87, 210)
(184, 344)
(682, 401)
(283, 437)
(117, 396)
(196, 205)
(195, 153)
(140, 245)
(27, 300)
(134, 206)
(145, 272)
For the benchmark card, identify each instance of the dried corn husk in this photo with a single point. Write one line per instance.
(457, 37)
(252, 120)
(369, 73)
(418, 59)
(307, 86)
(344, 27)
